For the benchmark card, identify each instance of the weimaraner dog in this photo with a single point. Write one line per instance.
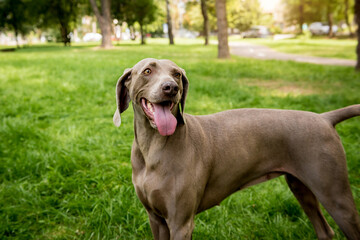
(184, 164)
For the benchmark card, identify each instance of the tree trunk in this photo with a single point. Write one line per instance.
(64, 34)
(142, 34)
(16, 29)
(223, 46)
(357, 19)
(16, 37)
(170, 33)
(121, 28)
(104, 20)
(330, 20)
(206, 21)
(301, 16)
(132, 33)
(346, 15)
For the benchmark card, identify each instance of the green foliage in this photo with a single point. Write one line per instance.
(156, 27)
(316, 10)
(15, 15)
(193, 19)
(65, 170)
(59, 14)
(121, 10)
(142, 12)
(243, 14)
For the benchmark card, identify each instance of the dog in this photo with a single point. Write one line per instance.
(184, 164)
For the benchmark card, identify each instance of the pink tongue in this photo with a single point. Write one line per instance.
(164, 120)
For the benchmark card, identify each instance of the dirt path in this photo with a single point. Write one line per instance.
(245, 49)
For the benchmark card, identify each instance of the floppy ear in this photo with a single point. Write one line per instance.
(185, 83)
(122, 96)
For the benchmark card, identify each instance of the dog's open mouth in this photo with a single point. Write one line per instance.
(160, 115)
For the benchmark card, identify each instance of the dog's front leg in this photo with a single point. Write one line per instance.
(181, 229)
(159, 227)
(178, 224)
(181, 213)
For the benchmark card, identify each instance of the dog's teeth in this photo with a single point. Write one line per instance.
(150, 107)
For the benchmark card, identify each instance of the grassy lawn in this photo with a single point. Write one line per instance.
(331, 48)
(65, 169)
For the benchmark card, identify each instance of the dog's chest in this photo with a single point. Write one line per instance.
(152, 190)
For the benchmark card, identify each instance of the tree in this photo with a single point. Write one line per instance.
(331, 6)
(144, 12)
(15, 16)
(305, 11)
(300, 11)
(61, 14)
(194, 19)
(131, 11)
(122, 11)
(357, 19)
(243, 14)
(342, 14)
(104, 20)
(24, 15)
(223, 46)
(346, 16)
(301, 15)
(206, 25)
(156, 28)
(169, 23)
(118, 10)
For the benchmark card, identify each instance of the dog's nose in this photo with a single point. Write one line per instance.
(170, 88)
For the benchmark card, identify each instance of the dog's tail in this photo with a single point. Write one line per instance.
(339, 115)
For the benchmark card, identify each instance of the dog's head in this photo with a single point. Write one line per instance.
(158, 88)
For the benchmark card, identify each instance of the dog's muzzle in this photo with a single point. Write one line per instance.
(160, 115)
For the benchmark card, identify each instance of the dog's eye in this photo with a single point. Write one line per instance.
(177, 74)
(147, 71)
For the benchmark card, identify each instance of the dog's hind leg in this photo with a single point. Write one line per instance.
(310, 205)
(327, 179)
(337, 199)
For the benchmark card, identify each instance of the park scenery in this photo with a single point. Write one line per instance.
(65, 170)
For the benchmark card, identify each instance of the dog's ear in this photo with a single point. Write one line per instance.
(122, 96)
(185, 83)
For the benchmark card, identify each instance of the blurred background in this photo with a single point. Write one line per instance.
(26, 22)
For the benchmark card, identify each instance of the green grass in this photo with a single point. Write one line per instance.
(330, 48)
(65, 169)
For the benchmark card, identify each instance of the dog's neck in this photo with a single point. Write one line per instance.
(147, 138)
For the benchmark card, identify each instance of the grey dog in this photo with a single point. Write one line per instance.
(184, 164)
